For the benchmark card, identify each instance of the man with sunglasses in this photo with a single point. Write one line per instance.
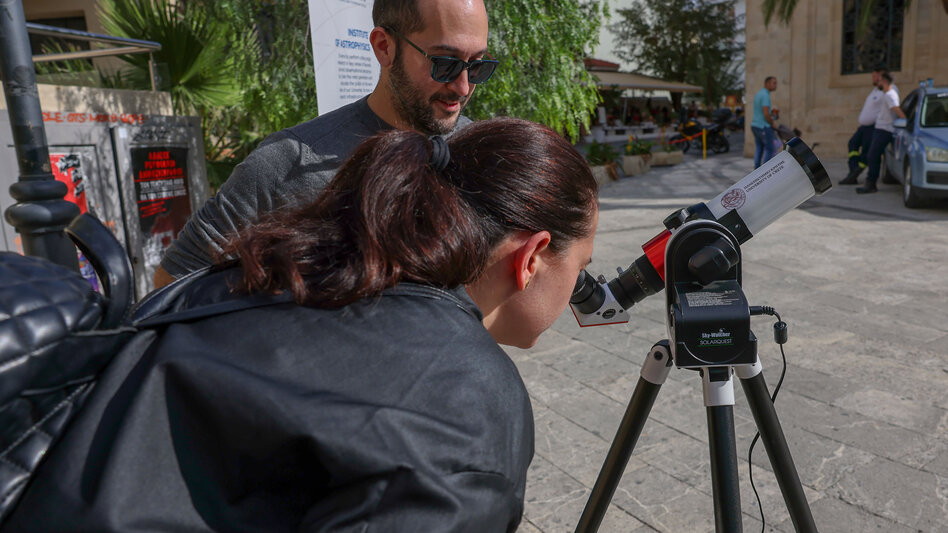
(432, 53)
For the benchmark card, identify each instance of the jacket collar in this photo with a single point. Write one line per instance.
(457, 295)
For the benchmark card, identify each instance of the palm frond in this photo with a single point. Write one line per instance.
(194, 46)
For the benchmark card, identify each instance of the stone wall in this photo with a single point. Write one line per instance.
(93, 100)
(805, 56)
(44, 9)
(37, 10)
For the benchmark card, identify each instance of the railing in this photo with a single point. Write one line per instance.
(124, 46)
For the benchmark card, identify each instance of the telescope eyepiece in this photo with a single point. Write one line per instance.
(588, 295)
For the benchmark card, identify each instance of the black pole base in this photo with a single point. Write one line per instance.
(40, 216)
(42, 213)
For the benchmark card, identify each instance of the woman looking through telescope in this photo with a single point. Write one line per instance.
(373, 396)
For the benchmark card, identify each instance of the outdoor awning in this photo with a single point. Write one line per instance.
(628, 80)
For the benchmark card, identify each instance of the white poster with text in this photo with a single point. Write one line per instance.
(346, 69)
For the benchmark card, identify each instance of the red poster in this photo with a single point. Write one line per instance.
(67, 168)
(161, 189)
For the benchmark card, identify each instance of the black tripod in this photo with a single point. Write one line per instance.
(709, 324)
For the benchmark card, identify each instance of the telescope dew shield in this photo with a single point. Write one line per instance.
(784, 182)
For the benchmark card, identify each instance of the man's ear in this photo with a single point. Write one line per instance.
(526, 258)
(384, 46)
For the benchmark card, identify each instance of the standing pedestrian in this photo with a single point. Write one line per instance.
(888, 109)
(860, 142)
(432, 56)
(762, 123)
(882, 133)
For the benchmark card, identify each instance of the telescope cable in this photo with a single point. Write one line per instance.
(780, 337)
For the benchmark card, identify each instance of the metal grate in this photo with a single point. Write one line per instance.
(880, 45)
(937, 178)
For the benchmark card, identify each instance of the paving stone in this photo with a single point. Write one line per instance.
(921, 500)
(554, 502)
(894, 409)
(573, 449)
(527, 527)
(833, 514)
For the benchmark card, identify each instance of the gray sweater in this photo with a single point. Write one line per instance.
(288, 169)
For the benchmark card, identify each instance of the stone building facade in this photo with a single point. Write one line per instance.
(806, 56)
(47, 10)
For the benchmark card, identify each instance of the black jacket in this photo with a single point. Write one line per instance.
(396, 414)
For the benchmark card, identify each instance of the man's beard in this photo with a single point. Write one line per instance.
(417, 110)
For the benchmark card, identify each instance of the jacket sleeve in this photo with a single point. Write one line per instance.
(266, 180)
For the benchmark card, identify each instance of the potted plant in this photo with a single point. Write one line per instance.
(602, 161)
(670, 154)
(637, 156)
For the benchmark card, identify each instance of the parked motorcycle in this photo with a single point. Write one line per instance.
(690, 131)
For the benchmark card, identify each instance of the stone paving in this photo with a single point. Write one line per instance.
(863, 284)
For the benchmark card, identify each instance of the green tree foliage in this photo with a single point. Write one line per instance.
(690, 41)
(244, 66)
(195, 49)
(541, 45)
(275, 75)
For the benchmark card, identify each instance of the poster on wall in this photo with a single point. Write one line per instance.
(67, 168)
(346, 69)
(161, 191)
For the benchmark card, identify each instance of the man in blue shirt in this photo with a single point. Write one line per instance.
(762, 123)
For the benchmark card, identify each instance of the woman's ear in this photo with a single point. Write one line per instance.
(383, 45)
(526, 257)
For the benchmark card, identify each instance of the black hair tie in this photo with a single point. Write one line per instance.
(440, 155)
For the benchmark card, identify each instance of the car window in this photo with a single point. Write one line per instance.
(935, 111)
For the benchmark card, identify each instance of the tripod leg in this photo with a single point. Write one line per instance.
(771, 434)
(653, 375)
(726, 489)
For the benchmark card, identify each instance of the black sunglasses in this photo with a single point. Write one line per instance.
(445, 69)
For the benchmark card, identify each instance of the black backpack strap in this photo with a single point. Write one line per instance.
(239, 303)
(201, 294)
(169, 304)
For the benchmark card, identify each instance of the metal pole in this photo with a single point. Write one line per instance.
(725, 485)
(151, 71)
(40, 213)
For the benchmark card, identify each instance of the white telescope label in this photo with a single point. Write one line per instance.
(765, 194)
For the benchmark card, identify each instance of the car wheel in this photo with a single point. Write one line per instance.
(910, 196)
(884, 173)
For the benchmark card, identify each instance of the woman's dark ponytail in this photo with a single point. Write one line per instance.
(394, 213)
